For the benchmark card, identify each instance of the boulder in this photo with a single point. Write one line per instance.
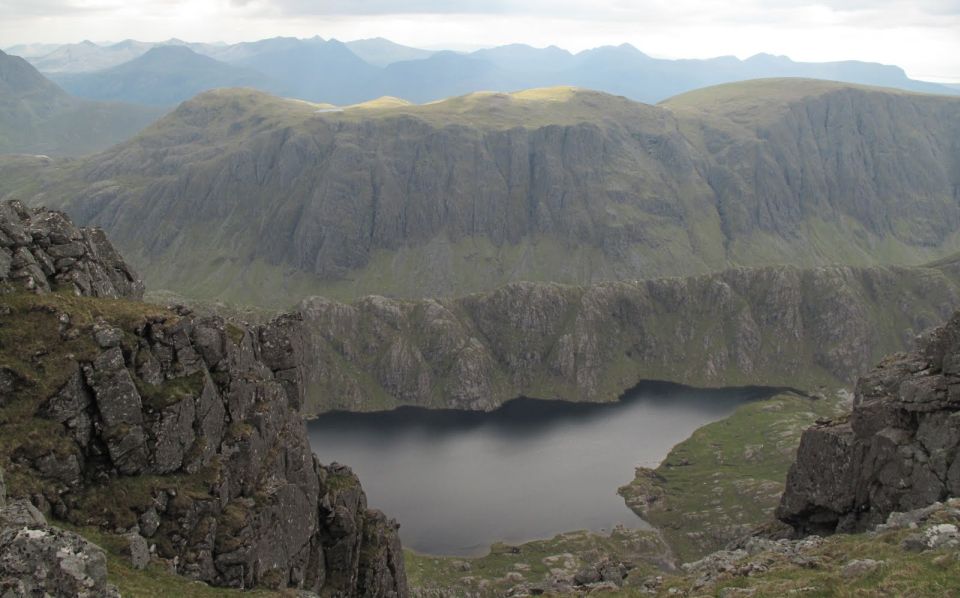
(135, 548)
(39, 560)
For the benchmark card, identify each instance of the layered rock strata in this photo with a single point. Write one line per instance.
(42, 248)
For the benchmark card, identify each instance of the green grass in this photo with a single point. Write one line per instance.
(728, 476)
(156, 581)
(507, 565)
(761, 100)
(932, 574)
(170, 392)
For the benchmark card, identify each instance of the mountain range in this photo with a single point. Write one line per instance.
(243, 196)
(38, 117)
(335, 72)
(162, 76)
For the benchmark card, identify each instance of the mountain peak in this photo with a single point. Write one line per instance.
(19, 78)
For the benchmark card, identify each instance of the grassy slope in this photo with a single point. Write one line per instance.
(507, 565)
(727, 477)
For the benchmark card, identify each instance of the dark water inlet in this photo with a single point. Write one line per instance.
(458, 480)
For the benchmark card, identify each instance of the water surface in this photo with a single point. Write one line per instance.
(458, 481)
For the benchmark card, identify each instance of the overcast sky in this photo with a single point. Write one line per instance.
(923, 36)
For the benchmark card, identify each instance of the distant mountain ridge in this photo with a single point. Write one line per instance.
(162, 76)
(38, 117)
(243, 196)
(335, 72)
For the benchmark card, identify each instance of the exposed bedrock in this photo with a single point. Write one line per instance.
(777, 326)
(897, 451)
(186, 431)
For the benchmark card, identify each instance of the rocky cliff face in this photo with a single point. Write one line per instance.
(897, 451)
(240, 195)
(183, 430)
(43, 249)
(767, 326)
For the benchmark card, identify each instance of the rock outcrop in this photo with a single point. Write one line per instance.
(44, 250)
(178, 431)
(778, 326)
(37, 559)
(897, 451)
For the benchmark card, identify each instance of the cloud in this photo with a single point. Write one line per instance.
(22, 9)
(599, 9)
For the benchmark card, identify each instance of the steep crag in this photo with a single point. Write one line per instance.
(777, 326)
(185, 431)
(897, 451)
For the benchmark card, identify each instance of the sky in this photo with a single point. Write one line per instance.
(922, 36)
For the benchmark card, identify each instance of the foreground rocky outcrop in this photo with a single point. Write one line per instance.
(777, 326)
(914, 553)
(41, 248)
(897, 451)
(182, 432)
(37, 559)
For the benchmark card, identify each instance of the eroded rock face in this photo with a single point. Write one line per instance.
(896, 452)
(778, 326)
(42, 249)
(181, 432)
(233, 495)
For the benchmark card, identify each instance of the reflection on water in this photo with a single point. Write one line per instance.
(458, 481)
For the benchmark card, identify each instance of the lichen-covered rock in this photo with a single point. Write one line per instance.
(137, 550)
(260, 510)
(39, 560)
(42, 249)
(898, 450)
